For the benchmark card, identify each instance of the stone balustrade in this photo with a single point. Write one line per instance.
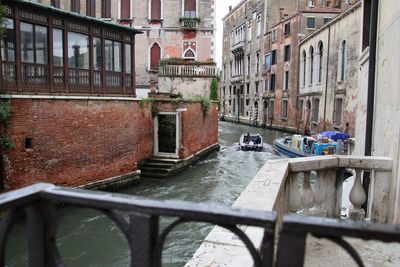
(317, 186)
(188, 71)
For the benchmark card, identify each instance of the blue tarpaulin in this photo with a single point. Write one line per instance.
(335, 135)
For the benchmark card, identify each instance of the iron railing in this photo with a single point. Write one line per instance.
(37, 203)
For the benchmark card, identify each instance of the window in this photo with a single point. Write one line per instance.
(266, 83)
(128, 58)
(8, 41)
(249, 31)
(311, 64)
(284, 111)
(113, 56)
(155, 55)
(125, 9)
(189, 54)
(258, 25)
(91, 8)
(106, 8)
(97, 58)
(271, 109)
(248, 65)
(78, 48)
(34, 47)
(287, 29)
(342, 61)
(75, 6)
(337, 115)
(58, 48)
(8, 50)
(274, 36)
(320, 60)
(267, 63)
(258, 62)
(55, 3)
(273, 57)
(311, 3)
(326, 20)
(366, 23)
(190, 9)
(248, 88)
(155, 10)
(310, 23)
(304, 67)
(286, 80)
(247, 102)
(256, 84)
(315, 110)
(300, 109)
(272, 82)
(287, 53)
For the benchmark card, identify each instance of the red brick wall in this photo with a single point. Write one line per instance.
(81, 141)
(76, 141)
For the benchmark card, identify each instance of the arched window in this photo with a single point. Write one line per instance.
(155, 10)
(320, 60)
(342, 60)
(304, 65)
(311, 64)
(155, 55)
(189, 54)
(190, 9)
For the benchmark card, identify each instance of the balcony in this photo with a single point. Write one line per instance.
(189, 24)
(239, 78)
(205, 71)
(238, 47)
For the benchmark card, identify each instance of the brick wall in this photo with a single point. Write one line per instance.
(79, 141)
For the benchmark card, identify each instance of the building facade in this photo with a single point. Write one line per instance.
(182, 29)
(328, 74)
(245, 88)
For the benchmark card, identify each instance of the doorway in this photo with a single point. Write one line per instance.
(166, 135)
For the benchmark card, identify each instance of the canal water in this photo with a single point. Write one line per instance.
(88, 238)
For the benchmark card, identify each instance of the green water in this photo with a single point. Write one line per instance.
(88, 238)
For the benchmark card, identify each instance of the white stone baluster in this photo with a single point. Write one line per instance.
(357, 199)
(319, 190)
(294, 193)
(306, 193)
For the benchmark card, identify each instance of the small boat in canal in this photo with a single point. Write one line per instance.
(326, 143)
(251, 142)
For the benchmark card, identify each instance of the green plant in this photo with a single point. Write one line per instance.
(205, 104)
(144, 101)
(188, 18)
(214, 90)
(6, 142)
(154, 110)
(5, 113)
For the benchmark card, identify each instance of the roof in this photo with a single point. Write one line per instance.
(234, 9)
(333, 21)
(72, 14)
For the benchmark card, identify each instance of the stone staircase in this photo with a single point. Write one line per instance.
(159, 167)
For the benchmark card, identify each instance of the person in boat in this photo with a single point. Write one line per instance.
(346, 128)
(247, 138)
(258, 140)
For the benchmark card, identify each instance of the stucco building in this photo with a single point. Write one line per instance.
(171, 29)
(248, 43)
(328, 74)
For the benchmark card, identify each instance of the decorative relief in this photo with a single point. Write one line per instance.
(78, 27)
(112, 35)
(33, 17)
(97, 31)
(9, 11)
(57, 22)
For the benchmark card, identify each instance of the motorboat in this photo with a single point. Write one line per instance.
(325, 143)
(251, 142)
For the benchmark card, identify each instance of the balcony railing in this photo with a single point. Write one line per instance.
(188, 71)
(189, 23)
(237, 47)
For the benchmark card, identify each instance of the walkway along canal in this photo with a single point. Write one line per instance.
(88, 238)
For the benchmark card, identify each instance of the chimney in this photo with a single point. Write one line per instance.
(281, 10)
(230, 8)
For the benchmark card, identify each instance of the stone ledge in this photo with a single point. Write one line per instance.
(113, 183)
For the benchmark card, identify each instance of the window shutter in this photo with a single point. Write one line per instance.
(106, 9)
(190, 5)
(155, 54)
(75, 6)
(155, 9)
(91, 8)
(125, 9)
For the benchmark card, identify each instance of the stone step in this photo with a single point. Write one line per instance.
(163, 160)
(157, 165)
(154, 169)
(154, 174)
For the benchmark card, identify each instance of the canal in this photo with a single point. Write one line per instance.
(88, 238)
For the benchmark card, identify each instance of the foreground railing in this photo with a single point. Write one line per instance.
(314, 186)
(188, 71)
(38, 204)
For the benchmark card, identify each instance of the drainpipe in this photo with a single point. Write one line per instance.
(326, 74)
(371, 77)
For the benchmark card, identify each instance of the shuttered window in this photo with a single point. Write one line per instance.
(125, 9)
(155, 9)
(155, 55)
(190, 8)
(55, 3)
(75, 6)
(106, 8)
(91, 8)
